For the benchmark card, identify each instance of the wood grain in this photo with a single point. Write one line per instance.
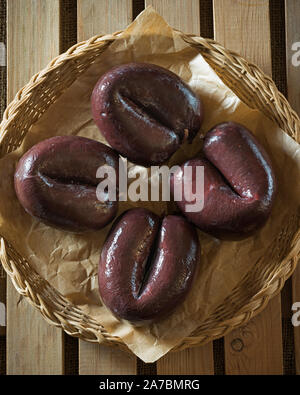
(243, 26)
(33, 346)
(185, 16)
(256, 348)
(102, 17)
(292, 13)
(195, 360)
(95, 17)
(98, 359)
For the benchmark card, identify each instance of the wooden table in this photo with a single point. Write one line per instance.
(263, 32)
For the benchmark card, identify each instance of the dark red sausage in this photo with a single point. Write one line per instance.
(55, 181)
(239, 183)
(147, 265)
(145, 112)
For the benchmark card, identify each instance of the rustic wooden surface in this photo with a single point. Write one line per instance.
(91, 20)
(197, 360)
(33, 346)
(292, 11)
(256, 348)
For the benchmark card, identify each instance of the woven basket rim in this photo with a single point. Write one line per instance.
(70, 318)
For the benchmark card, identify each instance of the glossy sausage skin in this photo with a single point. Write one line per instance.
(239, 183)
(145, 112)
(147, 265)
(55, 181)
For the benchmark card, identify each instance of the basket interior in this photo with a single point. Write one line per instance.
(252, 87)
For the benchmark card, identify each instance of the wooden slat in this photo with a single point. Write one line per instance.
(97, 359)
(185, 16)
(95, 17)
(292, 12)
(195, 360)
(243, 26)
(102, 17)
(256, 348)
(33, 346)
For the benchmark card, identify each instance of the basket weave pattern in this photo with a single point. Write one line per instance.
(254, 88)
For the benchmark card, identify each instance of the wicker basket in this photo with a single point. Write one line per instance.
(249, 83)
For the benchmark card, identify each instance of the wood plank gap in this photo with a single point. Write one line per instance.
(219, 356)
(288, 346)
(2, 68)
(206, 19)
(137, 7)
(68, 38)
(2, 108)
(68, 24)
(146, 368)
(277, 28)
(71, 353)
(2, 355)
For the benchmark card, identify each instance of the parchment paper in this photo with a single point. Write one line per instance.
(69, 262)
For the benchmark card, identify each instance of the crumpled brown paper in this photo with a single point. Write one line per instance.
(69, 262)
